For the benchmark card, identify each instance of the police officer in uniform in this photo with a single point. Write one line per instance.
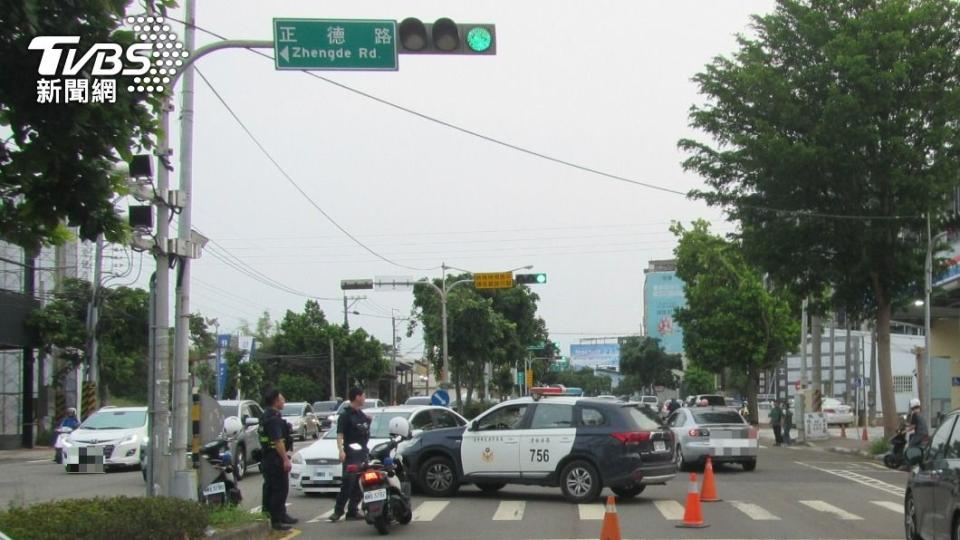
(353, 433)
(275, 465)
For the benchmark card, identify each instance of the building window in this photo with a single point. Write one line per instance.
(903, 384)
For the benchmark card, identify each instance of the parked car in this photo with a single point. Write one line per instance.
(330, 422)
(418, 400)
(119, 431)
(577, 444)
(650, 401)
(302, 420)
(246, 449)
(323, 409)
(931, 502)
(608, 398)
(317, 468)
(836, 412)
(718, 432)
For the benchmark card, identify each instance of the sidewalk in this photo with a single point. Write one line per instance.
(852, 444)
(26, 454)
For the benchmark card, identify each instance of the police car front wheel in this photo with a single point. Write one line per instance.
(437, 477)
(580, 482)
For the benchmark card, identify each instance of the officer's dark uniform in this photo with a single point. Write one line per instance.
(276, 482)
(355, 427)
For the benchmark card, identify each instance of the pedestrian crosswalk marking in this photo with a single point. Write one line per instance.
(592, 511)
(322, 516)
(859, 478)
(671, 510)
(754, 511)
(822, 506)
(509, 511)
(429, 510)
(896, 507)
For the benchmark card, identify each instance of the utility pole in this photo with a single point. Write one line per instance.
(833, 373)
(873, 373)
(93, 315)
(803, 344)
(333, 386)
(346, 308)
(817, 353)
(152, 462)
(927, 291)
(393, 389)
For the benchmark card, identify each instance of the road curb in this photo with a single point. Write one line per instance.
(854, 452)
(248, 531)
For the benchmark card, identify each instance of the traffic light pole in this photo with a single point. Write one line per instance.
(443, 291)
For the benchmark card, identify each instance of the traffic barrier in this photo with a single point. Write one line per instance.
(89, 398)
(611, 522)
(692, 515)
(708, 491)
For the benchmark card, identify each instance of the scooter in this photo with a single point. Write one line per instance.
(384, 484)
(894, 459)
(62, 434)
(225, 486)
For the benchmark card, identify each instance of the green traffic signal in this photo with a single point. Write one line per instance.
(479, 39)
(445, 36)
(530, 279)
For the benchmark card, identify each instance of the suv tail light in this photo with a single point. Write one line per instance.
(829, 411)
(699, 432)
(632, 436)
(753, 433)
(371, 478)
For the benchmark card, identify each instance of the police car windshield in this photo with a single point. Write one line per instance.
(380, 423)
(717, 417)
(116, 420)
(292, 410)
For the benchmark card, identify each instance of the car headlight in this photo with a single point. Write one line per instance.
(67, 442)
(129, 439)
(298, 459)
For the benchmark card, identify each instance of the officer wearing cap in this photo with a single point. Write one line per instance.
(275, 467)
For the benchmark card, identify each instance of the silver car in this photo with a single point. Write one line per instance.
(718, 432)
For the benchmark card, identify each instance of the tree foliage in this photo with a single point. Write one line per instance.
(645, 364)
(56, 164)
(485, 325)
(731, 319)
(584, 378)
(697, 380)
(836, 129)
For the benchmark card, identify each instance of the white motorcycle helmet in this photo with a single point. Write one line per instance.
(914, 403)
(399, 426)
(232, 427)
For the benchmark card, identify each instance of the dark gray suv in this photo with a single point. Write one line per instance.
(249, 440)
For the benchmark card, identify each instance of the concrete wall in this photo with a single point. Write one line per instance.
(945, 343)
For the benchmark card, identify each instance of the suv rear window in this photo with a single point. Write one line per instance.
(645, 419)
(717, 417)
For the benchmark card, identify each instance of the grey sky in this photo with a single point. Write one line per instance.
(605, 84)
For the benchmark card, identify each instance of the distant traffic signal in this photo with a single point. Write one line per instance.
(445, 37)
(530, 279)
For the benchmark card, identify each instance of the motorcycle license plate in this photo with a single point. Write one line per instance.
(375, 495)
(659, 446)
(213, 489)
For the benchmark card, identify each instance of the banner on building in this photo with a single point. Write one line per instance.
(662, 295)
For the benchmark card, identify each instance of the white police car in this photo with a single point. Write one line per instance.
(578, 444)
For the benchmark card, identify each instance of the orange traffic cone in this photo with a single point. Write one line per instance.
(611, 523)
(864, 437)
(692, 516)
(708, 492)
(843, 431)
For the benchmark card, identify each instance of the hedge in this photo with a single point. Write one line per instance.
(157, 518)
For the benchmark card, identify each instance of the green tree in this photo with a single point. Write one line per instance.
(56, 164)
(296, 388)
(203, 343)
(697, 380)
(584, 378)
(731, 319)
(835, 132)
(646, 364)
(245, 373)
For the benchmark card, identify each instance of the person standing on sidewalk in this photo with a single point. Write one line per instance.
(275, 467)
(787, 423)
(776, 420)
(353, 434)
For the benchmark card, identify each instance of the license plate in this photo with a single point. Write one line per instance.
(375, 495)
(659, 446)
(213, 489)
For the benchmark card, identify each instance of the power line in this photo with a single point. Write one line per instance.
(524, 150)
(294, 183)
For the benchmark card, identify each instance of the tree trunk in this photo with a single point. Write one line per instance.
(885, 374)
(873, 375)
(752, 394)
(817, 331)
(456, 383)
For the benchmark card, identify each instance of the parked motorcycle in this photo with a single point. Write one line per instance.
(62, 434)
(225, 486)
(384, 484)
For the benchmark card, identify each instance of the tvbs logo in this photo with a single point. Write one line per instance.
(88, 76)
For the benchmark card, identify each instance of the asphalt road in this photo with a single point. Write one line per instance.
(794, 493)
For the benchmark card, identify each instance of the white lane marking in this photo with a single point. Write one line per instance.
(509, 511)
(754, 511)
(671, 510)
(322, 516)
(823, 506)
(40, 461)
(860, 479)
(896, 507)
(763, 446)
(592, 511)
(429, 510)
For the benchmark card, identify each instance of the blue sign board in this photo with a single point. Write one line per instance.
(662, 295)
(223, 343)
(440, 398)
(596, 354)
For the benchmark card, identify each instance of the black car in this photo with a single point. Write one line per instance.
(578, 444)
(323, 409)
(931, 506)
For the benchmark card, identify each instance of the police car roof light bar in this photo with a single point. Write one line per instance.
(538, 392)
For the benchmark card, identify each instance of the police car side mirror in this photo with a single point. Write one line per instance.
(475, 425)
(250, 421)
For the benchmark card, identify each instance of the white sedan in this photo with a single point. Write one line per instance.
(836, 412)
(317, 468)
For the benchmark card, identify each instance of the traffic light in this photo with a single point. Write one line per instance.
(445, 37)
(530, 279)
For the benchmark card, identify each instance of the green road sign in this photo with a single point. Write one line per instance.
(331, 44)
(536, 346)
